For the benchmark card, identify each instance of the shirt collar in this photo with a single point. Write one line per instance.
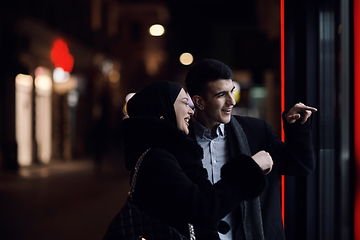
(202, 131)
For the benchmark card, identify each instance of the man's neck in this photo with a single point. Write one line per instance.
(203, 120)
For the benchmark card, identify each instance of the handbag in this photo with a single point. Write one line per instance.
(132, 223)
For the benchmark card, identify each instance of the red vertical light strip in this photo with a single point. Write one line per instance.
(357, 116)
(282, 29)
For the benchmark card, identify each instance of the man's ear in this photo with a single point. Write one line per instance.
(198, 102)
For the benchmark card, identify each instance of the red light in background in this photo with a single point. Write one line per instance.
(282, 30)
(61, 56)
(356, 116)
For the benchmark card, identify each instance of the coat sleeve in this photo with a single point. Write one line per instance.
(297, 157)
(164, 190)
(294, 157)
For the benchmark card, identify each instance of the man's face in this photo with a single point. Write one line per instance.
(218, 101)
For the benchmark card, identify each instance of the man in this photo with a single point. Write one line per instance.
(224, 136)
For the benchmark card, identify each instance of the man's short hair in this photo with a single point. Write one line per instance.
(205, 71)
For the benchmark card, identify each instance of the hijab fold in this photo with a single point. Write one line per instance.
(155, 100)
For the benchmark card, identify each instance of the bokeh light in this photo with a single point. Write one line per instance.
(237, 91)
(61, 56)
(114, 77)
(43, 82)
(22, 79)
(186, 59)
(107, 67)
(73, 98)
(59, 75)
(156, 30)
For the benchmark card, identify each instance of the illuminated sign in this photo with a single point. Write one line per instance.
(61, 56)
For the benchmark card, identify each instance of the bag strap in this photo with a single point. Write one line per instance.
(133, 183)
(137, 166)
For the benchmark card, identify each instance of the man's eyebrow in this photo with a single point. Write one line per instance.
(219, 93)
(224, 92)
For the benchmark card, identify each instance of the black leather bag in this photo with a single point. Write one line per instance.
(131, 223)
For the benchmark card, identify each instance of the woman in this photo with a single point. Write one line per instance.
(171, 184)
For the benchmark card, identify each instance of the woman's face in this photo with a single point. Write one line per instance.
(183, 111)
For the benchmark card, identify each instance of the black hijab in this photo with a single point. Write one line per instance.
(155, 100)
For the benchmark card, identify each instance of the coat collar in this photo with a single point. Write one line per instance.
(203, 132)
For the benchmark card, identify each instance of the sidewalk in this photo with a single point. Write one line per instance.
(64, 200)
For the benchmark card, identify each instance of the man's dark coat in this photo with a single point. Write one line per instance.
(293, 158)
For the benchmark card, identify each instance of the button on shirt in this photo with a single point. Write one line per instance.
(215, 156)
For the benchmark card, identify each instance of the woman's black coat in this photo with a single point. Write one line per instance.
(172, 184)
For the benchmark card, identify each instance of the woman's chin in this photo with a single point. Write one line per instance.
(186, 131)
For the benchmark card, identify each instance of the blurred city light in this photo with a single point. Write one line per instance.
(114, 78)
(73, 98)
(59, 75)
(186, 59)
(258, 92)
(23, 118)
(156, 30)
(43, 82)
(43, 114)
(106, 67)
(61, 56)
(39, 71)
(24, 80)
(237, 91)
(65, 87)
(257, 100)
